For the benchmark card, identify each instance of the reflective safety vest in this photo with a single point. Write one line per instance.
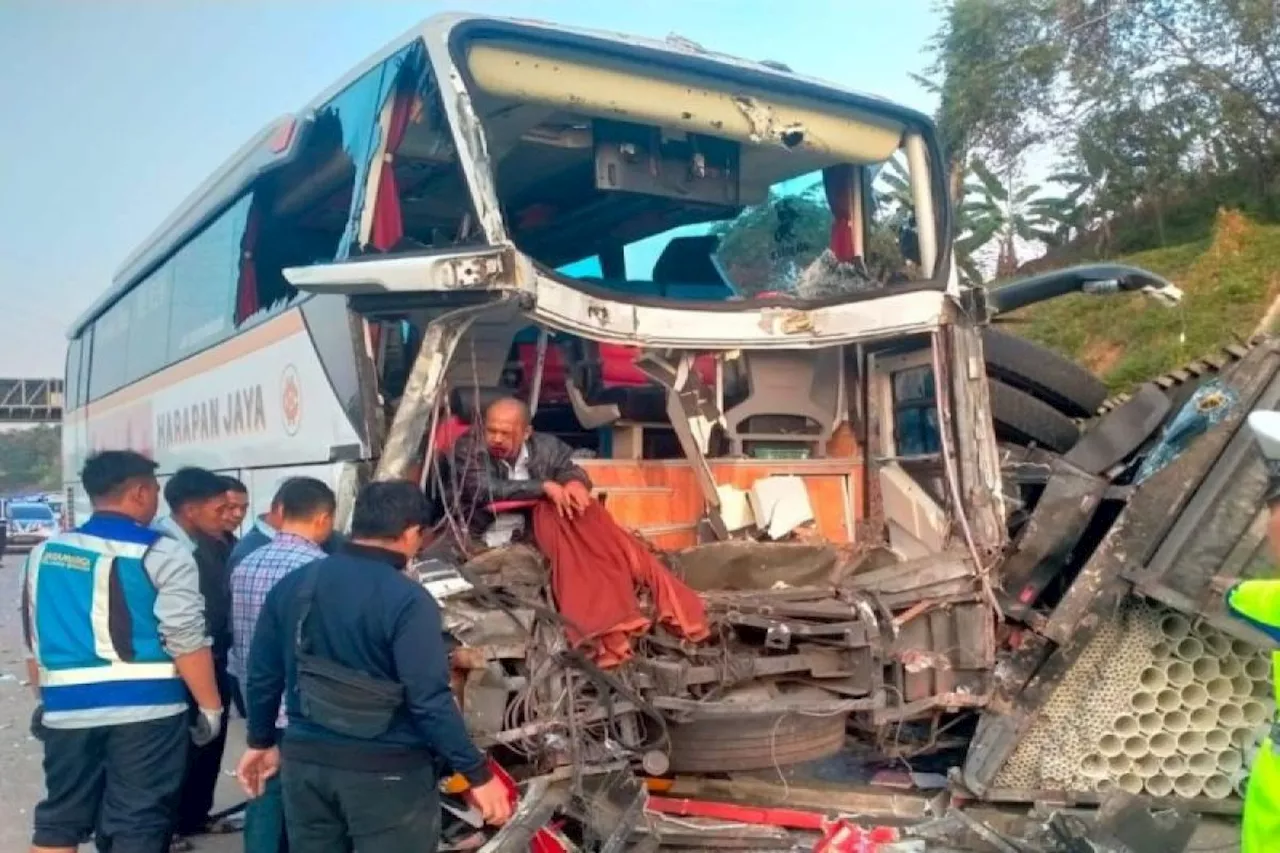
(1258, 603)
(92, 624)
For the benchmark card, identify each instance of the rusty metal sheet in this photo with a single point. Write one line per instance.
(1067, 505)
(1154, 509)
(1121, 431)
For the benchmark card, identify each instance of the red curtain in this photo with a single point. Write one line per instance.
(388, 224)
(838, 183)
(247, 299)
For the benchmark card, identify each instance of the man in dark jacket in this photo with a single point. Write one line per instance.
(371, 787)
(508, 461)
(197, 507)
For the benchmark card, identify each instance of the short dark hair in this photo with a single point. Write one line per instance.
(304, 497)
(386, 510)
(234, 484)
(105, 473)
(192, 485)
(275, 499)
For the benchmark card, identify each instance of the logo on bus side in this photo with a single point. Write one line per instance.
(291, 399)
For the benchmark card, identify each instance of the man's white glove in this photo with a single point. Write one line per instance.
(208, 726)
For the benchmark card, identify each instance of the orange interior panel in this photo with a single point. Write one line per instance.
(661, 501)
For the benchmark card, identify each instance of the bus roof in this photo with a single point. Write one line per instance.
(264, 151)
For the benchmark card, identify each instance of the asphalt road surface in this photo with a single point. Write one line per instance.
(21, 780)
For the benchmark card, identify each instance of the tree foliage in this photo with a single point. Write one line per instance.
(993, 72)
(1156, 107)
(30, 459)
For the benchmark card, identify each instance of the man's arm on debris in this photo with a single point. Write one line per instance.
(266, 682)
(477, 485)
(422, 662)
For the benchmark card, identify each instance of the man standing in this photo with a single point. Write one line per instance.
(197, 520)
(260, 533)
(511, 462)
(264, 530)
(237, 507)
(357, 648)
(1258, 603)
(237, 497)
(113, 621)
(305, 507)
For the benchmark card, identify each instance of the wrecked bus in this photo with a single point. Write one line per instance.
(888, 503)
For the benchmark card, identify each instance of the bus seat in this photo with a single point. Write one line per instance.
(448, 431)
(788, 383)
(469, 403)
(618, 367)
(554, 371)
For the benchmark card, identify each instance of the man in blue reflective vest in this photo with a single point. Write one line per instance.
(114, 623)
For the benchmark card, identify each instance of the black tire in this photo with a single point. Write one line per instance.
(1043, 373)
(720, 745)
(1023, 419)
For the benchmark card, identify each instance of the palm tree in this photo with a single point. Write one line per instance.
(1004, 212)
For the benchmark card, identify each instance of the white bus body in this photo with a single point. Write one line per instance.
(250, 334)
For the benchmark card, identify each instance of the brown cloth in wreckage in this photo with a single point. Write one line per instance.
(595, 569)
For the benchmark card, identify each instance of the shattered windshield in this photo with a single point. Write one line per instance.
(785, 245)
(658, 181)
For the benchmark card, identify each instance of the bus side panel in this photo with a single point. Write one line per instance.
(260, 399)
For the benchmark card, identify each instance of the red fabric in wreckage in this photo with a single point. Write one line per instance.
(838, 183)
(596, 567)
(247, 302)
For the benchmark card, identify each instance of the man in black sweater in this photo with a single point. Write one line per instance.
(197, 508)
(360, 614)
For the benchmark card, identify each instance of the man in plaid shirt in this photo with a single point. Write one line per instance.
(305, 507)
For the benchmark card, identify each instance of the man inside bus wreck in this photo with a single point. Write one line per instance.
(511, 462)
(113, 718)
(198, 505)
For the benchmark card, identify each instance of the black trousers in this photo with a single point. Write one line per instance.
(121, 782)
(204, 766)
(329, 810)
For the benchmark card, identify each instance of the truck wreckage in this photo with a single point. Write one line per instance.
(921, 541)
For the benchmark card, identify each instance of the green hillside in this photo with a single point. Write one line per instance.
(1230, 281)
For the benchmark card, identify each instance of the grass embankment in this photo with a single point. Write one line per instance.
(1230, 280)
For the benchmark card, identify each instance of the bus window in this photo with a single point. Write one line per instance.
(71, 388)
(149, 308)
(205, 271)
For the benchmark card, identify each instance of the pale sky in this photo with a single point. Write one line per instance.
(114, 110)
